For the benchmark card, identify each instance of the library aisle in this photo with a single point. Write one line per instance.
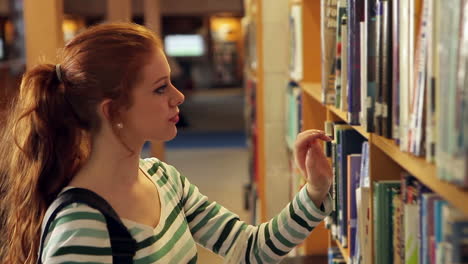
(218, 168)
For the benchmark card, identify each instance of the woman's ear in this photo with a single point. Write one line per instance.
(104, 110)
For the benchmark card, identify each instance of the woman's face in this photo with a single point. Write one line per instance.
(154, 111)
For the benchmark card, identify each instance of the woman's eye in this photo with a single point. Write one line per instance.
(160, 90)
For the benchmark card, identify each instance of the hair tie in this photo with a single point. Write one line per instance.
(58, 72)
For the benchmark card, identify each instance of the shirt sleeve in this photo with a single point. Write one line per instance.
(78, 234)
(221, 231)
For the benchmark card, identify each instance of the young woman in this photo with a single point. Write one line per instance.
(83, 122)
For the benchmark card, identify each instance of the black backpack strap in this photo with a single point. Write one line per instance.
(122, 243)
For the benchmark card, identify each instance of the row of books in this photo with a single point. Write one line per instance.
(414, 225)
(399, 69)
(411, 223)
(349, 152)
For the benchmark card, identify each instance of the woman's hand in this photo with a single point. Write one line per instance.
(314, 164)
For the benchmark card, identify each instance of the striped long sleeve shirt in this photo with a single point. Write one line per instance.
(78, 234)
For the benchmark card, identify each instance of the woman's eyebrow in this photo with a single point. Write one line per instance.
(160, 79)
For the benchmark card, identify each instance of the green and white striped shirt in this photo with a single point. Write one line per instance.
(79, 234)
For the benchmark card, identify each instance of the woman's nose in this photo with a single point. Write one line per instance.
(178, 98)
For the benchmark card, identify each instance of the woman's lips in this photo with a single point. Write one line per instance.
(175, 119)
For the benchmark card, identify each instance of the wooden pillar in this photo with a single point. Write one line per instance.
(152, 13)
(43, 30)
(119, 10)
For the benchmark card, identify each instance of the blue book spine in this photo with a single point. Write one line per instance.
(355, 166)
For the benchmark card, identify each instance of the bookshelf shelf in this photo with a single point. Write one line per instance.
(313, 89)
(424, 171)
(344, 251)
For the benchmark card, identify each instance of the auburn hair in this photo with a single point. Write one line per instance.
(47, 133)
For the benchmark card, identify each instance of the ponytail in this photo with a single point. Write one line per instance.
(42, 147)
(46, 138)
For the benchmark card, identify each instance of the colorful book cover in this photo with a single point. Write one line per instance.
(427, 201)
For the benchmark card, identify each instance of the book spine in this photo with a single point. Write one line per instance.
(329, 26)
(378, 69)
(395, 71)
(386, 68)
(371, 61)
(344, 63)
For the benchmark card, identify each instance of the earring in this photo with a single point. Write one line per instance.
(119, 125)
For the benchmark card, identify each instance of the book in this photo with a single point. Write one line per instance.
(431, 81)
(378, 68)
(365, 240)
(427, 220)
(411, 223)
(344, 64)
(341, 6)
(296, 46)
(328, 37)
(395, 71)
(349, 142)
(416, 110)
(397, 215)
(354, 170)
(371, 27)
(382, 220)
(386, 67)
(355, 15)
(363, 63)
(404, 59)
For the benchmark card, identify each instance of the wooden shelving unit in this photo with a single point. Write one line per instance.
(344, 251)
(387, 160)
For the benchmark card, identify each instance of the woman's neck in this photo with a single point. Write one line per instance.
(110, 164)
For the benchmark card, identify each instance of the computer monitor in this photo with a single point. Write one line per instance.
(192, 45)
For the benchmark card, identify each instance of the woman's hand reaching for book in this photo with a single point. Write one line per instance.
(314, 164)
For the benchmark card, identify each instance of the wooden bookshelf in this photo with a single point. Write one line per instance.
(424, 171)
(313, 89)
(387, 161)
(344, 251)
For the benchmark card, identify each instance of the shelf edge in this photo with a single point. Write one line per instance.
(423, 171)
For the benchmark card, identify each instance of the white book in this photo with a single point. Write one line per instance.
(431, 67)
(404, 72)
(296, 28)
(364, 222)
(411, 227)
(420, 84)
(410, 66)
